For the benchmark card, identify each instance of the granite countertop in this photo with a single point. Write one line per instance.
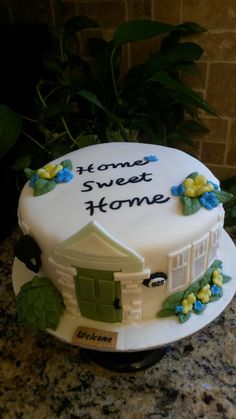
(42, 377)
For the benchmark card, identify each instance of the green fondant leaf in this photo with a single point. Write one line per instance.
(42, 324)
(174, 300)
(51, 306)
(29, 173)
(29, 313)
(67, 164)
(33, 295)
(166, 312)
(217, 264)
(39, 313)
(52, 317)
(184, 317)
(226, 278)
(206, 279)
(192, 175)
(191, 205)
(52, 295)
(39, 304)
(43, 186)
(194, 288)
(223, 196)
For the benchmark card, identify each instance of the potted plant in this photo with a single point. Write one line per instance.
(84, 102)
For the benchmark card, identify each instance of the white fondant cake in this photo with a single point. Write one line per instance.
(114, 240)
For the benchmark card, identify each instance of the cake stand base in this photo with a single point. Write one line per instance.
(125, 361)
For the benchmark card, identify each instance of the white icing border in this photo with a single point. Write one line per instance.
(146, 334)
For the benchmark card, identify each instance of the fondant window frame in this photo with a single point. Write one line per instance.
(200, 257)
(214, 242)
(179, 268)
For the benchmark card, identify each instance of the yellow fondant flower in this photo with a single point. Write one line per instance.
(49, 171)
(217, 278)
(188, 302)
(197, 187)
(204, 294)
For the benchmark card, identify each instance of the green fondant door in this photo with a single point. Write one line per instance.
(98, 295)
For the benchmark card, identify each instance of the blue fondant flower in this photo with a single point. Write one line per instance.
(214, 184)
(65, 175)
(178, 190)
(215, 290)
(179, 309)
(198, 306)
(33, 180)
(209, 200)
(151, 158)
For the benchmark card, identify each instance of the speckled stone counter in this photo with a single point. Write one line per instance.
(42, 377)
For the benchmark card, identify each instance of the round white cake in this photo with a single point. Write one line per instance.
(115, 240)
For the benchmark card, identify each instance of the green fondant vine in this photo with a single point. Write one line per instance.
(39, 305)
(196, 297)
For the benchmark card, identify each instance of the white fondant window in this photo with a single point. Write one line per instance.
(199, 257)
(179, 273)
(214, 243)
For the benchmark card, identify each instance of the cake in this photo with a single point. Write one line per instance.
(123, 233)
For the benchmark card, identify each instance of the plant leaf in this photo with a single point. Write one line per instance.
(56, 108)
(10, 127)
(92, 98)
(194, 126)
(189, 28)
(191, 205)
(78, 23)
(186, 51)
(21, 162)
(136, 30)
(189, 96)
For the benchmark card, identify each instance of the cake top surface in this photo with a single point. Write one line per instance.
(126, 189)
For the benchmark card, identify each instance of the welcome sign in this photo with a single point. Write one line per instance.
(95, 338)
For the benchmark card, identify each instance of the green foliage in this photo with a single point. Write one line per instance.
(39, 305)
(10, 126)
(84, 102)
(229, 185)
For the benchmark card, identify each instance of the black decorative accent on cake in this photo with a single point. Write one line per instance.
(28, 252)
(157, 279)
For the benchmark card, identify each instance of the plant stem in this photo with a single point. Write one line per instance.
(113, 73)
(67, 130)
(35, 141)
(41, 97)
